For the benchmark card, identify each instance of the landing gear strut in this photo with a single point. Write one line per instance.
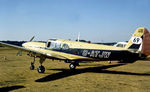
(41, 69)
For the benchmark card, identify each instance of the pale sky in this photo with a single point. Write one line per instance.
(96, 20)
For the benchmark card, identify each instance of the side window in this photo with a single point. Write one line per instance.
(65, 47)
(124, 45)
(120, 45)
(58, 46)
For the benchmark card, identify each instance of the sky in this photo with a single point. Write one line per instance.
(96, 20)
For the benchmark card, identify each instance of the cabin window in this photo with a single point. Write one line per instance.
(120, 45)
(58, 45)
(65, 47)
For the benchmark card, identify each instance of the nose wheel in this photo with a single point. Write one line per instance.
(41, 69)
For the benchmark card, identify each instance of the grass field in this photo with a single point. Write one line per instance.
(16, 76)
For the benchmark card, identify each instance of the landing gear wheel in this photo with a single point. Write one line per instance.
(72, 66)
(41, 69)
(32, 66)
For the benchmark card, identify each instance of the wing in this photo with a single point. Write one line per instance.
(49, 55)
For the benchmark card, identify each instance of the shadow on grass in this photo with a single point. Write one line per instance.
(99, 69)
(6, 89)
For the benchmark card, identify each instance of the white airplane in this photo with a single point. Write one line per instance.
(74, 52)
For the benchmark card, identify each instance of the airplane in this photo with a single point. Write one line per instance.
(75, 52)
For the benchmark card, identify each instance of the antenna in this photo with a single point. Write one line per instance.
(78, 36)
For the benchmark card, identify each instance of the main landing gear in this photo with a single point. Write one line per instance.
(41, 68)
(73, 65)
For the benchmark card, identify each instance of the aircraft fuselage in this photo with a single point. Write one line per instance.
(79, 53)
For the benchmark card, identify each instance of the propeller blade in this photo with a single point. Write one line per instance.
(32, 39)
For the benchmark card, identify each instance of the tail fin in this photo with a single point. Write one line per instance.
(136, 39)
(140, 41)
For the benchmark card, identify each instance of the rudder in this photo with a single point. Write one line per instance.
(140, 41)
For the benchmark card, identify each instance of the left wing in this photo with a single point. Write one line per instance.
(38, 53)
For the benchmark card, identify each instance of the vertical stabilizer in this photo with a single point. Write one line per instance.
(136, 40)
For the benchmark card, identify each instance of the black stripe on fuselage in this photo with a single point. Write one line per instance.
(135, 46)
(99, 54)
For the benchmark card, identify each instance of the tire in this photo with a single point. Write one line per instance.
(32, 67)
(41, 69)
(72, 66)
